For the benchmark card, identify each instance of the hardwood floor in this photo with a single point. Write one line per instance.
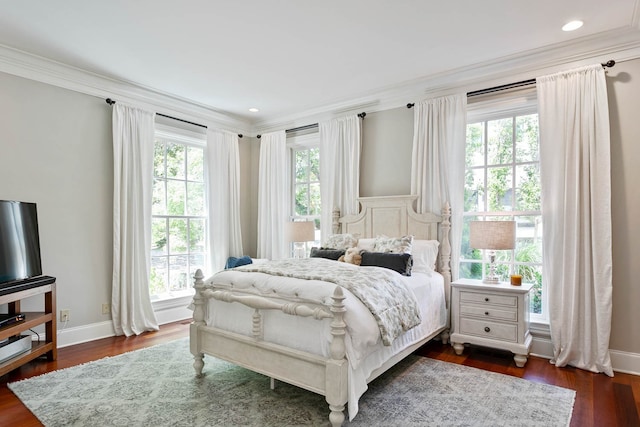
(600, 400)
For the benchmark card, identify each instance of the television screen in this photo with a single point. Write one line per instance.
(19, 241)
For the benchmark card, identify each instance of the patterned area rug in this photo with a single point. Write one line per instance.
(157, 387)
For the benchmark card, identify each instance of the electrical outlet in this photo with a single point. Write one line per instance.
(65, 315)
(106, 308)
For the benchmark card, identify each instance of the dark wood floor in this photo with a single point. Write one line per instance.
(600, 400)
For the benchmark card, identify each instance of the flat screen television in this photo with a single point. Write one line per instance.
(19, 242)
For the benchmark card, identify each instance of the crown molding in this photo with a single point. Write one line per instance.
(620, 45)
(44, 70)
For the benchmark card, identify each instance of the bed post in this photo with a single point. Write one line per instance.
(335, 222)
(198, 320)
(445, 263)
(336, 375)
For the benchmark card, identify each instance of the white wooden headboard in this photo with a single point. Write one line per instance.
(395, 216)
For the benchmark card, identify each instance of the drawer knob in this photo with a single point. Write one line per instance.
(486, 313)
(487, 329)
(486, 299)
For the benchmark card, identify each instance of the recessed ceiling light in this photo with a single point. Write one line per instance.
(253, 110)
(573, 25)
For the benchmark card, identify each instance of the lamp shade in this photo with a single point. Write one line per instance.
(301, 231)
(494, 235)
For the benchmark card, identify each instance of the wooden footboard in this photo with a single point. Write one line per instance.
(325, 376)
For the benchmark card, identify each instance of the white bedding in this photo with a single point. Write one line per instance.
(364, 347)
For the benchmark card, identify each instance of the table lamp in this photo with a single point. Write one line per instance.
(299, 232)
(492, 236)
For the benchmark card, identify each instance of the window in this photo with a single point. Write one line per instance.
(502, 182)
(305, 155)
(179, 219)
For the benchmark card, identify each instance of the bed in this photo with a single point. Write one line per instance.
(266, 327)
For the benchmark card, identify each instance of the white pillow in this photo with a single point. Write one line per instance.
(425, 255)
(366, 244)
(394, 245)
(341, 241)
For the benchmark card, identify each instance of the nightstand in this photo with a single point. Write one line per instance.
(490, 315)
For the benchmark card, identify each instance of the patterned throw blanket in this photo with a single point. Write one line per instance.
(382, 291)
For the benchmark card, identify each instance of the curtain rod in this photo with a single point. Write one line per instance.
(609, 64)
(311, 126)
(111, 102)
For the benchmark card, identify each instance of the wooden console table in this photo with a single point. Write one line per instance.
(42, 285)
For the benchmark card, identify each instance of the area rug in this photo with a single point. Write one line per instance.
(157, 387)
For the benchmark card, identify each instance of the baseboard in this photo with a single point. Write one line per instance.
(85, 333)
(96, 331)
(621, 361)
(625, 362)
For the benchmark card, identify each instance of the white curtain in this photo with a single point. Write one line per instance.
(576, 210)
(273, 196)
(223, 174)
(438, 162)
(133, 140)
(340, 143)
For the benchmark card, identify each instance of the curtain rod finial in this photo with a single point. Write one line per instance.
(110, 101)
(610, 63)
(362, 115)
(411, 104)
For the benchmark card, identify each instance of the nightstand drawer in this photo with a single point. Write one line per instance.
(492, 330)
(485, 298)
(490, 312)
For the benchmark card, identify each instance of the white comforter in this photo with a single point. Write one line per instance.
(364, 347)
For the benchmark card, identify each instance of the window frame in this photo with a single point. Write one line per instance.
(494, 107)
(294, 144)
(187, 138)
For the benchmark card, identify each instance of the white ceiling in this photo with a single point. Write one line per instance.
(286, 56)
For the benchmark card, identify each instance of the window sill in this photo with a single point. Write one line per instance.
(173, 307)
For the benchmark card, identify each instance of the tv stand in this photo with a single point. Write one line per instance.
(43, 285)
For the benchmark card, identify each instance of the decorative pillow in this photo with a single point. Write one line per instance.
(425, 255)
(366, 244)
(333, 254)
(341, 241)
(394, 245)
(401, 263)
(233, 262)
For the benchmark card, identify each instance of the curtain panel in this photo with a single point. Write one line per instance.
(223, 197)
(133, 143)
(340, 146)
(438, 162)
(576, 209)
(273, 196)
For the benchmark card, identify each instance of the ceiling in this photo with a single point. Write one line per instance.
(286, 56)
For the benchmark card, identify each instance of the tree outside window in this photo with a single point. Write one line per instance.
(179, 221)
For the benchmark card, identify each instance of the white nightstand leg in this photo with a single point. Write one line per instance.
(458, 347)
(520, 359)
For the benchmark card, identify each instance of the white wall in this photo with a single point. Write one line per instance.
(385, 163)
(55, 150)
(623, 84)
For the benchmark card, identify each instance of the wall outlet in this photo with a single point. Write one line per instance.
(106, 308)
(65, 315)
